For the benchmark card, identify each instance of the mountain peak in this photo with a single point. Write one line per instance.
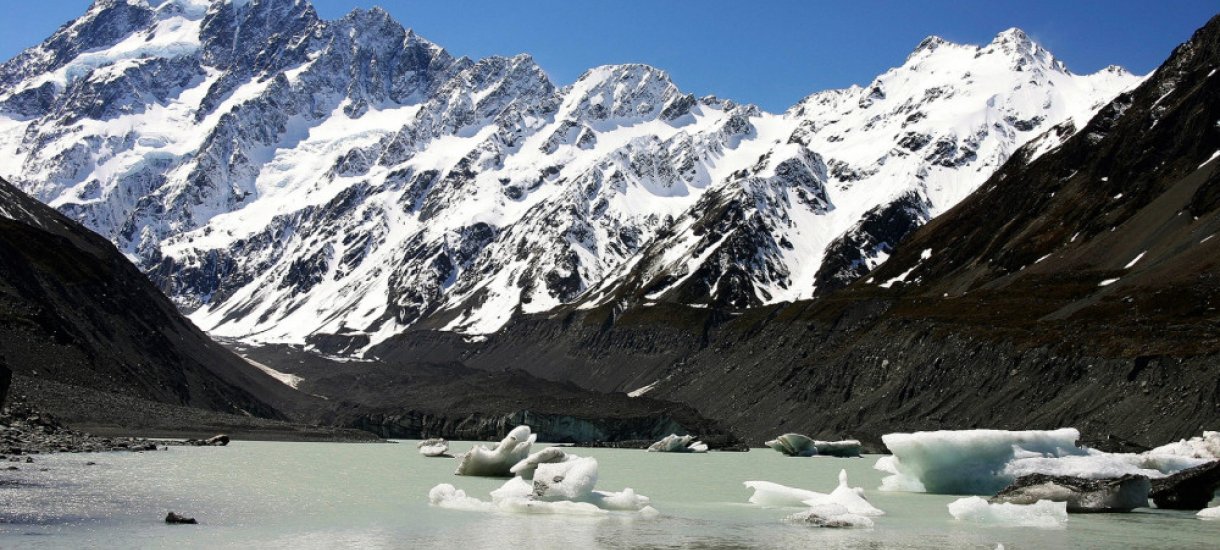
(1012, 35)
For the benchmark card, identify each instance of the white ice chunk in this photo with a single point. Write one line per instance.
(1209, 513)
(571, 480)
(774, 494)
(1207, 446)
(830, 516)
(448, 496)
(498, 461)
(851, 498)
(526, 467)
(433, 447)
(1043, 514)
(674, 443)
(558, 488)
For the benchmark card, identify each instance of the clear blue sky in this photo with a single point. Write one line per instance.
(769, 53)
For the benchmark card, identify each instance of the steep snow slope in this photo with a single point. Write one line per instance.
(288, 179)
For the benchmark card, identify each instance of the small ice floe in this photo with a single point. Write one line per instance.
(799, 445)
(850, 498)
(674, 443)
(1209, 513)
(830, 516)
(434, 447)
(1043, 514)
(985, 461)
(566, 487)
(498, 461)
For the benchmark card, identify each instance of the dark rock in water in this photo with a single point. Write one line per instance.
(175, 519)
(1190, 489)
(1121, 494)
(217, 440)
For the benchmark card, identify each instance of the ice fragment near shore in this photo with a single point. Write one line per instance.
(1043, 514)
(674, 443)
(1209, 513)
(433, 447)
(793, 444)
(497, 461)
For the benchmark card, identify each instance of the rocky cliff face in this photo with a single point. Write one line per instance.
(332, 183)
(1077, 286)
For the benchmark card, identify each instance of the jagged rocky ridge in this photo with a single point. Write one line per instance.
(290, 179)
(1077, 287)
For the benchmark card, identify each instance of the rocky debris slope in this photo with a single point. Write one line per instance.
(290, 179)
(74, 310)
(26, 431)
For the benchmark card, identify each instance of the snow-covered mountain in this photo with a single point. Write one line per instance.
(286, 178)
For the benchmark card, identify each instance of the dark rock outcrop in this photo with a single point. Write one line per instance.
(1121, 494)
(175, 519)
(1190, 489)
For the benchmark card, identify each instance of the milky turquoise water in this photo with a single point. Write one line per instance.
(320, 495)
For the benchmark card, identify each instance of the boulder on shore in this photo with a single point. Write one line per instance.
(1189, 489)
(1121, 494)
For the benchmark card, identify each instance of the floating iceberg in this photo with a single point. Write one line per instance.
(831, 516)
(1043, 514)
(1207, 446)
(847, 448)
(526, 467)
(850, 498)
(498, 461)
(800, 445)
(793, 445)
(557, 488)
(434, 447)
(674, 443)
(1209, 513)
(985, 461)
(966, 461)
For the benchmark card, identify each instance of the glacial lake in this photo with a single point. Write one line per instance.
(323, 495)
